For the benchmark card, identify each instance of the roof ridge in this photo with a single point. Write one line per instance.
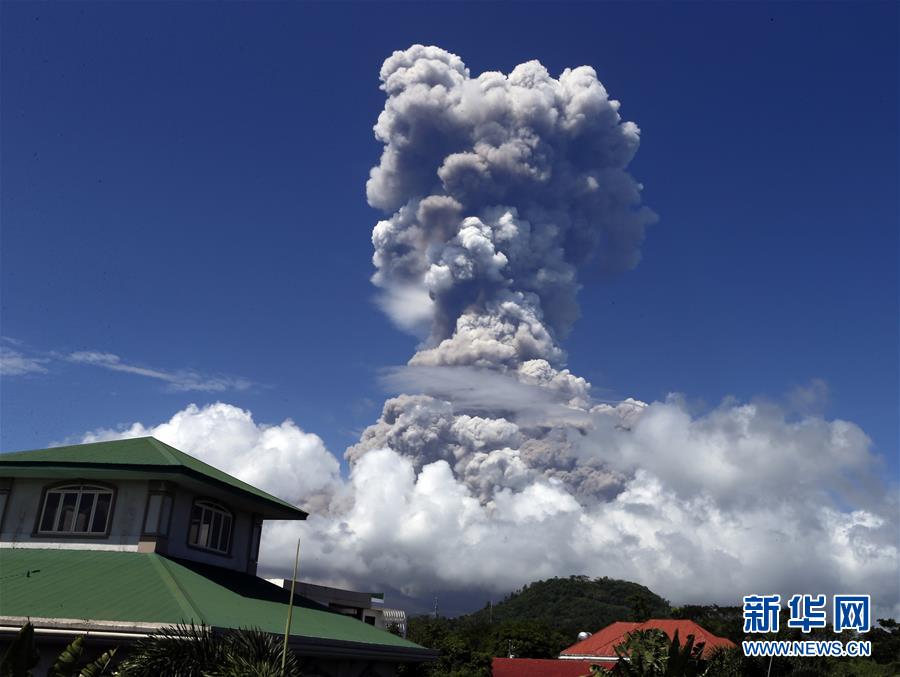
(180, 594)
(173, 453)
(164, 449)
(77, 444)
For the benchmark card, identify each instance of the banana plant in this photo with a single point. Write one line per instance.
(69, 662)
(21, 654)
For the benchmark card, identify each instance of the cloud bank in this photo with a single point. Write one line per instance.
(494, 465)
(739, 499)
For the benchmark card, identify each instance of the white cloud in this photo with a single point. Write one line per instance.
(736, 501)
(485, 391)
(282, 459)
(739, 500)
(181, 380)
(409, 307)
(15, 363)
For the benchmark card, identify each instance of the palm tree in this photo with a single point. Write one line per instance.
(198, 651)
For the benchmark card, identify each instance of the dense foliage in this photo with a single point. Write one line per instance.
(724, 621)
(538, 621)
(543, 618)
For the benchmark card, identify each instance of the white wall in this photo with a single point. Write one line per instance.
(178, 533)
(24, 505)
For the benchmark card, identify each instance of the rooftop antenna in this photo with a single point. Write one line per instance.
(287, 625)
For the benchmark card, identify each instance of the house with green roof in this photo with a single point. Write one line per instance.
(118, 539)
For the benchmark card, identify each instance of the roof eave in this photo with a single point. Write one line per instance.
(274, 508)
(306, 646)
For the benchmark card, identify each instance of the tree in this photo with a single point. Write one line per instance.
(886, 642)
(572, 604)
(70, 663)
(198, 651)
(22, 655)
(529, 639)
(460, 649)
(649, 653)
(725, 662)
(642, 654)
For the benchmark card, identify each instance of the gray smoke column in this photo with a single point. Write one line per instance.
(499, 188)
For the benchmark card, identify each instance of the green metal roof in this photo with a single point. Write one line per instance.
(140, 453)
(93, 585)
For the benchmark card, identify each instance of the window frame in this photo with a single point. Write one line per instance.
(163, 491)
(214, 505)
(77, 535)
(256, 521)
(5, 491)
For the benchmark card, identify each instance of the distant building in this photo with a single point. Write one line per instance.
(363, 606)
(601, 645)
(600, 649)
(118, 539)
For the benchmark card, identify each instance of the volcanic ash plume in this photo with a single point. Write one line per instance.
(501, 186)
(496, 467)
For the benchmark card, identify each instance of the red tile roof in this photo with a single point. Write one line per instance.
(539, 667)
(603, 642)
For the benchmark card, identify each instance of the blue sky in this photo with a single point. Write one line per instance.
(183, 185)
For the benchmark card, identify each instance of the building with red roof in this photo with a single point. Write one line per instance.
(542, 667)
(602, 644)
(600, 649)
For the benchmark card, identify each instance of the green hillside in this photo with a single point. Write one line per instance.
(570, 605)
(538, 621)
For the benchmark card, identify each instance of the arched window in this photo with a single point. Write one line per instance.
(210, 526)
(76, 509)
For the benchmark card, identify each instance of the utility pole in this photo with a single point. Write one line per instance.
(287, 625)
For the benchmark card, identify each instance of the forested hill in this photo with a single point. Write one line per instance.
(570, 605)
(538, 621)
